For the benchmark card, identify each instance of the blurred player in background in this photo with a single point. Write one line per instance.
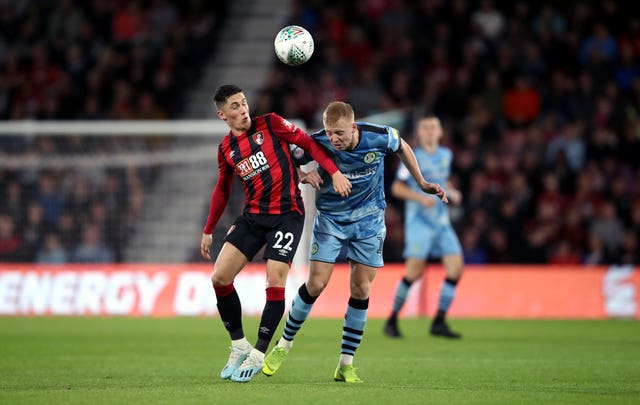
(428, 229)
(258, 151)
(358, 149)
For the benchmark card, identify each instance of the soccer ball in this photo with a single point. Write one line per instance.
(293, 45)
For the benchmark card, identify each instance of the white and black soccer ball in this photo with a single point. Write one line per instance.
(293, 45)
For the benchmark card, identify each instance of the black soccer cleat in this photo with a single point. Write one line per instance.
(391, 329)
(441, 329)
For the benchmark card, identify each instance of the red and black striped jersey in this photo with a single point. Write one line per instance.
(261, 158)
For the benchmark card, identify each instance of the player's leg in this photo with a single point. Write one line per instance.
(326, 243)
(418, 240)
(365, 258)
(319, 275)
(453, 264)
(414, 269)
(228, 264)
(271, 315)
(355, 320)
(282, 239)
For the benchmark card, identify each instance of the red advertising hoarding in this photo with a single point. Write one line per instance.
(185, 290)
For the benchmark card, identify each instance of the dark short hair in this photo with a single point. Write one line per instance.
(224, 92)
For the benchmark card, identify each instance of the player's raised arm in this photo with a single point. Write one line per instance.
(295, 135)
(409, 159)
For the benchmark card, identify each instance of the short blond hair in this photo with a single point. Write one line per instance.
(337, 110)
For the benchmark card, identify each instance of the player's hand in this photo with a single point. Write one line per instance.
(434, 188)
(341, 184)
(205, 244)
(312, 178)
(454, 196)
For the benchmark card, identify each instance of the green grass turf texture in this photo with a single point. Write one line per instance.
(146, 360)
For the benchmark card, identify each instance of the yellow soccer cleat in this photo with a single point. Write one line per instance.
(346, 374)
(273, 360)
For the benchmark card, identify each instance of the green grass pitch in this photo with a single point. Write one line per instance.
(145, 360)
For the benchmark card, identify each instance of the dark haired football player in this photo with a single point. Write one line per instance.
(257, 150)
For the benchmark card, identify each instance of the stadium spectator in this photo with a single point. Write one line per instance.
(49, 197)
(473, 252)
(33, 230)
(91, 248)
(521, 102)
(10, 241)
(52, 251)
(490, 20)
(609, 229)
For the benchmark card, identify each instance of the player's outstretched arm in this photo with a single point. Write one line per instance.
(409, 159)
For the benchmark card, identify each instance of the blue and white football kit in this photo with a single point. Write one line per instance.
(357, 220)
(428, 230)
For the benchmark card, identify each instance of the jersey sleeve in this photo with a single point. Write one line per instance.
(292, 134)
(221, 192)
(394, 141)
(299, 155)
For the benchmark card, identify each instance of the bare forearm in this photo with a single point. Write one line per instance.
(408, 158)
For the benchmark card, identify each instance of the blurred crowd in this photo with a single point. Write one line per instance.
(98, 59)
(540, 102)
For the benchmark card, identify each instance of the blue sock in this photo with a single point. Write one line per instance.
(447, 292)
(354, 321)
(300, 308)
(401, 296)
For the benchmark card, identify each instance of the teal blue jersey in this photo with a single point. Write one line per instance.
(363, 166)
(436, 168)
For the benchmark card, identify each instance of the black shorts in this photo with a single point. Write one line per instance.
(281, 234)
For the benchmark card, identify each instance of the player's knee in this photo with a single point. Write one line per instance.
(315, 287)
(218, 279)
(275, 280)
(456, 270)
(412, 277)
(360, 291)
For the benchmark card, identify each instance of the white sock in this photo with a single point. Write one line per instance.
(346, 360)
(257, 354)
(243, 343)
(285, 344)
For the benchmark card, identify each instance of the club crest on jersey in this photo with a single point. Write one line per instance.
(369, 157)
(258, 138)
